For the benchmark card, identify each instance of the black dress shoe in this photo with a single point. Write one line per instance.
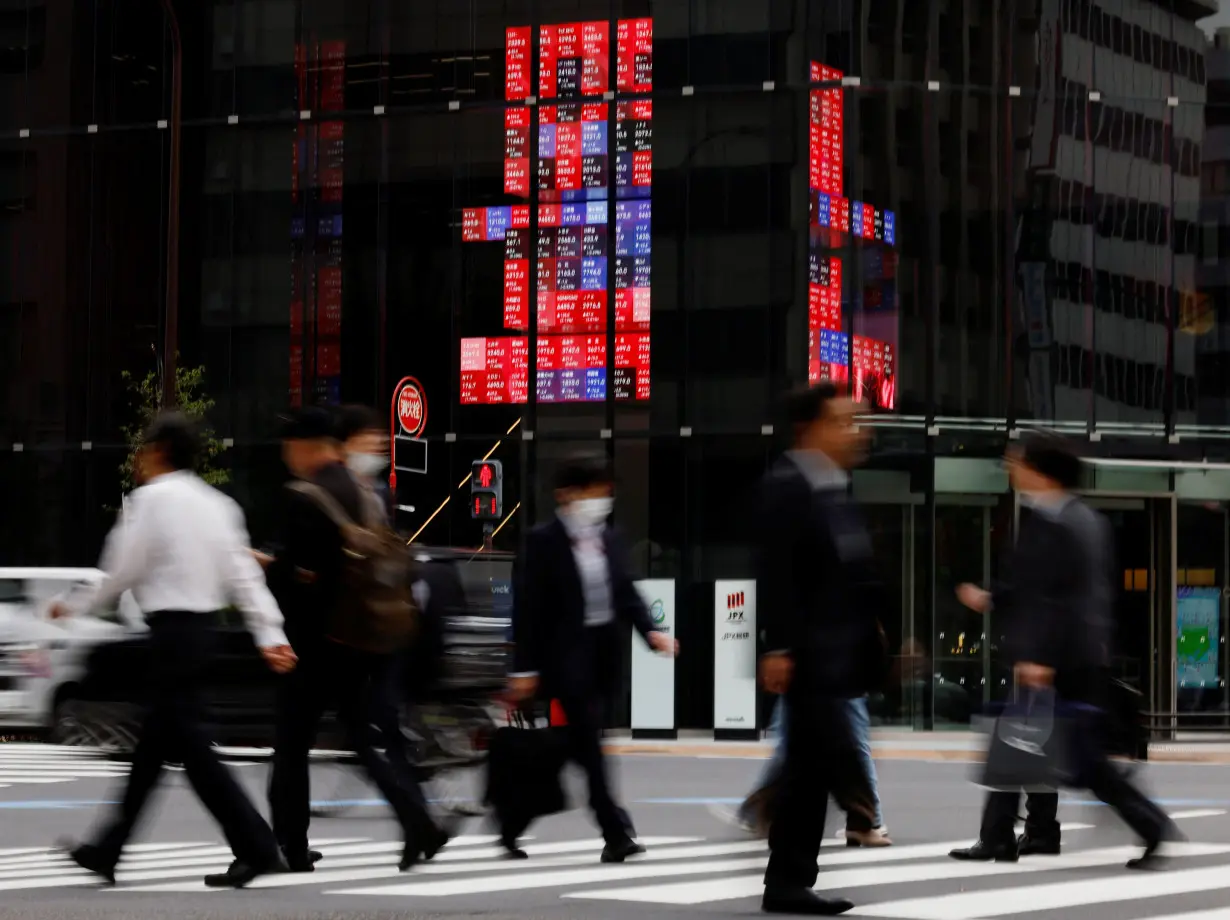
(424, 849)
(987, 852)
(802, 901)
(511, 850)
(90, 859)
(241, 874)
(303, 861)
(621, 850)
(1037, 846)
(1152, 860)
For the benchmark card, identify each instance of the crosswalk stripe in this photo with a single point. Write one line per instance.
(42, 780)
(447, 863)
(655, 868)
(1197, 813)
(530, 880)
(1217, 913)
(1001, 902)
(71, 876)
(750, 886)
(204, 857)
(139, 851)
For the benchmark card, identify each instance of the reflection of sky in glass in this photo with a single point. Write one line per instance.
(1216, 22)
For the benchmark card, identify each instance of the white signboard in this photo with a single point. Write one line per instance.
(653, 675)
(734, 655)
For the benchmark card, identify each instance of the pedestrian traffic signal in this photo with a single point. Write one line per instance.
(486, 490)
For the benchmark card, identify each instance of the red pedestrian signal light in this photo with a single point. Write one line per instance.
(486, 490)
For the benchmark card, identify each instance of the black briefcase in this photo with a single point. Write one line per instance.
(524, 777)
(1033, 745)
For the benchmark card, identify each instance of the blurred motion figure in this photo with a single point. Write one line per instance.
(182, 548)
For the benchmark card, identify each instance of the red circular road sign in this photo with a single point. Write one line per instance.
(410, 406)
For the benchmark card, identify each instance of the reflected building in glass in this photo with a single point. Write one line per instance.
(627, 228)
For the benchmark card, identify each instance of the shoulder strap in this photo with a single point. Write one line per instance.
(326, 502)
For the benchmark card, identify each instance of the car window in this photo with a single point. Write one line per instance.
(13, 591)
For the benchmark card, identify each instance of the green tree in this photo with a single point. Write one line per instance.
(145, 397)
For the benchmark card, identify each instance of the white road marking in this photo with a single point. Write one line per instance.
(976, 905)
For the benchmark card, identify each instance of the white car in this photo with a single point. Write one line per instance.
(42, 661)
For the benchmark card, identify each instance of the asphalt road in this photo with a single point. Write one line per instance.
(696, 864)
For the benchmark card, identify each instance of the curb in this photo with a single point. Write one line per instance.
(1167, 754)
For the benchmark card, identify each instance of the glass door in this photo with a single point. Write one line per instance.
(891, 527)
(1142, 654)
(1201, 697)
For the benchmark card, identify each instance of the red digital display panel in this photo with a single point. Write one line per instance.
(318, 166)
(574, 60)
(518, 62)
(495, 370)
(867, 363)
(634, 56)
(579, 272)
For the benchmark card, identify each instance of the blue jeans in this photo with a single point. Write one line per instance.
(860, 727)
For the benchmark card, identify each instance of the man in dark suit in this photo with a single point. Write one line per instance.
(306, 577)
(822, 604)
(571, 586)
(1054, 606)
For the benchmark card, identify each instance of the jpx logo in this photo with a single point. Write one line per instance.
(734, 607)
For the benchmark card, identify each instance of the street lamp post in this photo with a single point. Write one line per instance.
(170, 345)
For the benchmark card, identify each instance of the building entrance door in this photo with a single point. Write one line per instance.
(1145, 593)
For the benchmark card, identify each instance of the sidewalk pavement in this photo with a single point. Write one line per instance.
(889, 744)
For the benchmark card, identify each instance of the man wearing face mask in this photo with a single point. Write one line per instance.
(365, 444)
(571, 586)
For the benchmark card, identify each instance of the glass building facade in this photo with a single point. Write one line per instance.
(628, 225)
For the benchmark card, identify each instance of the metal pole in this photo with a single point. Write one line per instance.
(170, 345)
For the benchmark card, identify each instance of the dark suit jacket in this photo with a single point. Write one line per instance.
(1053, 603)
(306, 572)
(817, 588)
(549, 614)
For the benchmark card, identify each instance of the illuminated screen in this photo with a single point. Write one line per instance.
(570, 254)
(318, 168)
(1197, 642)
(866, 360)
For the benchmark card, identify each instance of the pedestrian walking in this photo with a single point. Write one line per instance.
(823, 604)
(1054, 604)
(181, 547)
(571, 586)
(325, 506)
(755, 812)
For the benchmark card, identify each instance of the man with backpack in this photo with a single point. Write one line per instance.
(344, 582)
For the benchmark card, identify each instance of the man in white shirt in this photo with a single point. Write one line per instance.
(182, 548)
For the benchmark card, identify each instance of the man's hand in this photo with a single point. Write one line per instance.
(522, 688)
(263, 559)
(1033, 675)
(663, 644)
(280, 658)
(775, 672)
(974, 597)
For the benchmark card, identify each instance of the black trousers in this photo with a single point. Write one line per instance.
(999, 817)
(821, 757)
(586, 717)
(333, 674)
(1096, 773)
(182, 644)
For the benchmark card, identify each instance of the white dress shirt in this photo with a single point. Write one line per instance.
(589, 552)
(180, 544)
